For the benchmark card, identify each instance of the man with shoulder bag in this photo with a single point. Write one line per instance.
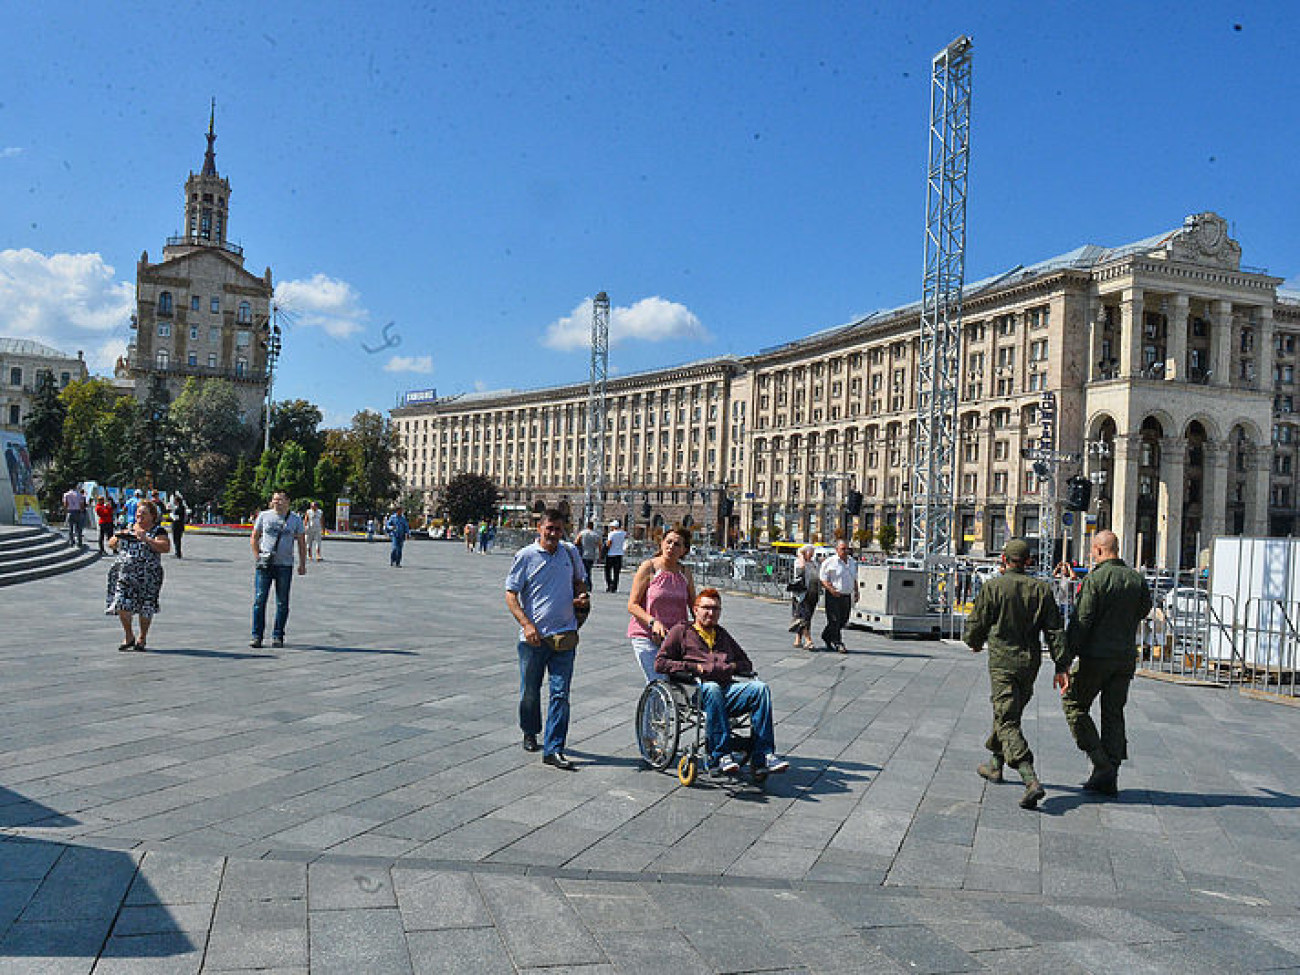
(276, 533)
(546, 591)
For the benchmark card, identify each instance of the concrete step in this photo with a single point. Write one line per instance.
(37, 553)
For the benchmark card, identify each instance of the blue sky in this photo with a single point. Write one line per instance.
(734, 175)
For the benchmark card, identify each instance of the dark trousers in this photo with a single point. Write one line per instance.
(76, 523)
(613, 566)
(178, 533)
(1109, 679)
(837, 615)
(1010, 689)
(105, 533)
(395, 553)
(589, 564)
(281, 576)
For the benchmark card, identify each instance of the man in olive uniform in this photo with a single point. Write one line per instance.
(1103, 635)
(1012, 612)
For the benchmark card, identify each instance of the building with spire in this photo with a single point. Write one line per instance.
(198, 311)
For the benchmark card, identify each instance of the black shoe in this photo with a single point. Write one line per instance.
(1103, 782)
(277, 641)
(255, 643)
(557, 760)
(530, 744)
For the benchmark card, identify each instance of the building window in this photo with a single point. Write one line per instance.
(194, 302)
(16, 376)
(215, 305)
(241, 366)
(194, 333)
(245, 314)
(13, 414)
(212, 360)
(65, 378)
(164, 329)
(163, 359)
(243, 339)
(999, 482)
(192, 359)
(165, 303)
(214, 335)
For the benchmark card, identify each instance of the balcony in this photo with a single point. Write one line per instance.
(256, 376)
(205, 242)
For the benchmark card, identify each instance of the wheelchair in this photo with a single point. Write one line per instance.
(670, 708)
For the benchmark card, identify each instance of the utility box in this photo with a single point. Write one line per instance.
(891, 590)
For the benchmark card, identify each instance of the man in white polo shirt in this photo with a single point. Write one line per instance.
(615, 544)
(839, 576)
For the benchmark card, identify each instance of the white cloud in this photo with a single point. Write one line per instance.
(410, 363)
(10, 152)
(323, 302)
(69, 301)
(650, 320)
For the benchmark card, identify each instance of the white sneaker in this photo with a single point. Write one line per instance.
(727, 765)
(773, 765)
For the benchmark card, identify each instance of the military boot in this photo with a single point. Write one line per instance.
(1105, 775)
(991, 770)
(1034, 791)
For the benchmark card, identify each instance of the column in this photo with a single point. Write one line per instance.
(1214, 491)
(1169, 517)
(1096, 328)
(1220, 343)
(1176, 348)
(1130, 335)
(1257, 464)
(1124, 495)
(1264, 333)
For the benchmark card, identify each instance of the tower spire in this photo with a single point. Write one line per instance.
(210, 157)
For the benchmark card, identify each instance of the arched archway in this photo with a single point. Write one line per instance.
(1146, 524)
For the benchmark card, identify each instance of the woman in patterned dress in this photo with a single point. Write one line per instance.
(135, 578)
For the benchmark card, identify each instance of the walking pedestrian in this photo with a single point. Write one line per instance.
(471, 536)
(1012, 613)
(180, 513)
(588, 543)
(1102, 635)
(615, 545)
(74, 505)
(313, 522)
(130, 507)
(275, 533)
(805, 588)
(370, 528)
(398, 528)
(136, 576)
(663, 592)
(544, 591)
(839, 577)
(105, 515)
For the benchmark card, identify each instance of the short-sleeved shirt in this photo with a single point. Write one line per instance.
(74, 501)
(278, 535)
(842, 575)
(589, 544)
(546, 584)
(617, 540)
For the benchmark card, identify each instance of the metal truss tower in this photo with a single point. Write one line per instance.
(933, 461)
(594, 502)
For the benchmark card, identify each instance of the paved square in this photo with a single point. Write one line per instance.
(358, 802)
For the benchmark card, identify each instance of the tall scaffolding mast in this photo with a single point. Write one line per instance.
(941, 310)
(594, 502)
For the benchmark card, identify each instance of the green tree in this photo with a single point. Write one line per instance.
(44, 425)
(886, 538)
(372, 450)
(412, 502)
(470, 497)
(206, 418)
(153, 454)
(264, 474)
(327, 479)
(292, 474)
(299, 421)
(209, 472)
(90, 449)
(241, 496)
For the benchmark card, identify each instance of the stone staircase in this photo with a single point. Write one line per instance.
(28, 553)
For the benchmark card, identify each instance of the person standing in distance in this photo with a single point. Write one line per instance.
(615, 545)
(313, 520)
(1012, 613)
(74, 503)
(589, 548)
(275, 533)
(1102, 634)
(398, 528)
(180, 516)
(544, 590)
(839, 577)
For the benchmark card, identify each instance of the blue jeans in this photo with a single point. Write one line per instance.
(282, 576)
(533, 661)
(395, 554)
(740, 697)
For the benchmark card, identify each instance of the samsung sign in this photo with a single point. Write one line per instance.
(421, 396)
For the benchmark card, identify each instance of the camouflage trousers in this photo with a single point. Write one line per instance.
(1109, 678)
(1011, 687)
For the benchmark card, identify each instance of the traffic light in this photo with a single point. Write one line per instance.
(853, 504)
(728, 506)
(1078, 493)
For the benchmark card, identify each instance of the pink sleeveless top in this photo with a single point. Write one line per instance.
(665, 600)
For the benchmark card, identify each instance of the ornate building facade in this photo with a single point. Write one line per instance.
(1171, 365)
(21, 363)
(198, 311)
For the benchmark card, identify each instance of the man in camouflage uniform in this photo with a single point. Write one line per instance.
(1103, 635)
(1012, 613)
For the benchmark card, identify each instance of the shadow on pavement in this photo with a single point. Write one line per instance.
(59, 901)
(382, 650)
(195, 652)
(1076, 797)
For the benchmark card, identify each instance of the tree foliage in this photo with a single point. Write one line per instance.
(328, 478)
(292, 473)
(887, 538)
(153, 453)
(241, 498)
(208, 472)
(44, 425)
(206, 418)
(298, 420)
(470, 497)
(371, 448)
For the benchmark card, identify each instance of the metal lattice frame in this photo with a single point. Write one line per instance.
(594, 502)
(1047, 514)
(941, 311)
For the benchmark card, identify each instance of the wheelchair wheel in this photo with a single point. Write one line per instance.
(658, 726)
(687, 769)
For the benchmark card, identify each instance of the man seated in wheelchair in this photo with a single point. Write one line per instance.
(705, 651)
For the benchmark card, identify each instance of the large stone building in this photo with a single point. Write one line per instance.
(1172, 367)
(21, 362)
(198, 311)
